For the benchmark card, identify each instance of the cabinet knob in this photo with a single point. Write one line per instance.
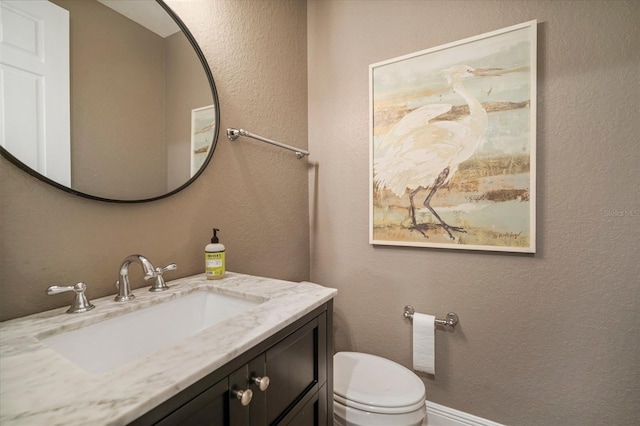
(244, 396)
(262, 382)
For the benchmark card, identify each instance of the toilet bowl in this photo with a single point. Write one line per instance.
(374, 391)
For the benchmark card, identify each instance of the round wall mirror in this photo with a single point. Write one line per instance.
(111, 100)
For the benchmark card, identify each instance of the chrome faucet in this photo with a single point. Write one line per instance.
(123, 286)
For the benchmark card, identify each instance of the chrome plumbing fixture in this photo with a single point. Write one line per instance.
(160, 285)
(80, 302)
(450, 321)
(234, 134)
(123, 286)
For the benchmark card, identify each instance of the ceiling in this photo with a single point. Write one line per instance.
(153, 18)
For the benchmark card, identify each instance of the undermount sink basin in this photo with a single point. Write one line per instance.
(106, 345)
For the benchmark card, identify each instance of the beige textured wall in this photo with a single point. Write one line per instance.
(256, 194)
(115, 62)
(550, 339)
(186, 88)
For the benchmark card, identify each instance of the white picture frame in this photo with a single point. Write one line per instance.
(203, 123)
(453, 144)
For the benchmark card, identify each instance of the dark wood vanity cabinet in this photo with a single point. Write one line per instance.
(298, 361)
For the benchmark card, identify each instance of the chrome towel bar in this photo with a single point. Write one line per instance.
(450, 321)
(234, 134)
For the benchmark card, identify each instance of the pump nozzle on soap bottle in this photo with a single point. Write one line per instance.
(214, 259)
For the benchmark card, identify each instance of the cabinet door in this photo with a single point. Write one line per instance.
(311, 411)
(292, 366)
(210, 408)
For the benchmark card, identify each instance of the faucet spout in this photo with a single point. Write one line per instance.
(124, 288)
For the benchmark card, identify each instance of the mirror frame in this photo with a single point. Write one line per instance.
(214, 142)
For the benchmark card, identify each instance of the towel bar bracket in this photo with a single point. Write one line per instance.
(451, 319)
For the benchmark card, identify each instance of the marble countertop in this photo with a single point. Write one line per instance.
(39, 386)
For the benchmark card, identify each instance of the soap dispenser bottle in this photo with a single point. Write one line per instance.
(214, 258)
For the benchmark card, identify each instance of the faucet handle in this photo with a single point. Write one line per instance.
(160, 285)
(80, 302)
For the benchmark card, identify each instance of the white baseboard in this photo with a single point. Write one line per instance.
(439, 415)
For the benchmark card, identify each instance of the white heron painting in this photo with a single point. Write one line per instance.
(453, 144)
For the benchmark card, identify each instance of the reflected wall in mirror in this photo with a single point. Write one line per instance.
(135, 85)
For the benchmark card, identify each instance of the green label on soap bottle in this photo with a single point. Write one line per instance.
(214, 264)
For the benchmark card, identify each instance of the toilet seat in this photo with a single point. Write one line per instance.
(379, 410)
(371, 383)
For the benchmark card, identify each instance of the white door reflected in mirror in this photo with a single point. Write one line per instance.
(34, 87)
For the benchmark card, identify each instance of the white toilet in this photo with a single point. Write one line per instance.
(374, 391)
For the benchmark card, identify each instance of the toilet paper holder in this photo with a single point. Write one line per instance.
(451, 319)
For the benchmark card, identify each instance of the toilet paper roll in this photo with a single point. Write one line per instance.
(424, 356)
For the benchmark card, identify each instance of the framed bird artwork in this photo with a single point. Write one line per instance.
(203, 123)
(453, 144)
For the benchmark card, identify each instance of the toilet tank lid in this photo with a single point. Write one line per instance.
(376, 381)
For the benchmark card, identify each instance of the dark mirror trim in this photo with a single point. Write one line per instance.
(214, 142)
